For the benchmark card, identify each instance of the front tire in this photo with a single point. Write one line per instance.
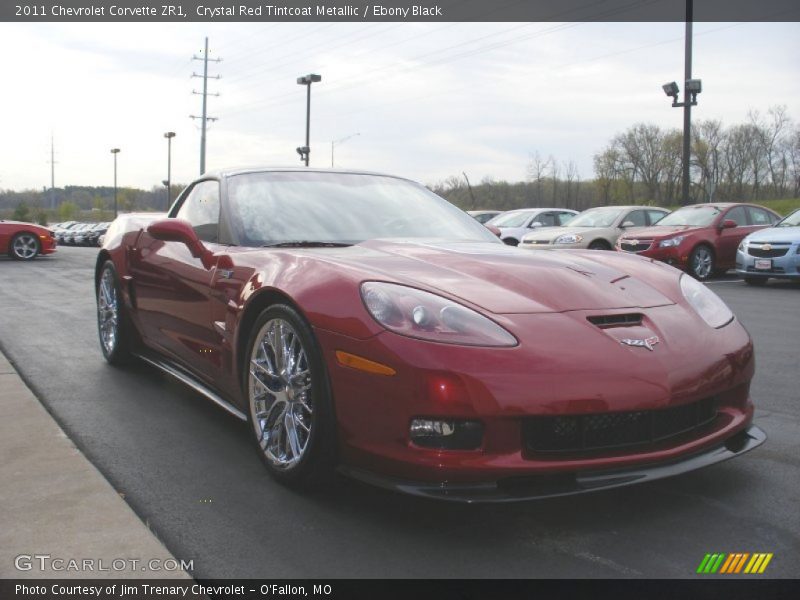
(599, 245)
(112, 323)
(701, 263)
(24, 246)
(289, 401)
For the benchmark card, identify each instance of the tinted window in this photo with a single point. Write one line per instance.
(201, 209)
(759, 216)
(512, 219)
(656, 215)
(737, 214)
(637, 217)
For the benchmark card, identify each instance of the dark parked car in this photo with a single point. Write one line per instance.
(423, 355)
(702, 238)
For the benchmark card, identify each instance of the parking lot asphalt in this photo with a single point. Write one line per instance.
(188, 470)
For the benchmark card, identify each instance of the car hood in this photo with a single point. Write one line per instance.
(505, 280)
(775, 234)
(23, 224)
(660, 231)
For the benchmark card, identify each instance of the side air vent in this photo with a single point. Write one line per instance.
(626, 320)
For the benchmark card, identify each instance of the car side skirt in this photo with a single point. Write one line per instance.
(177, 373)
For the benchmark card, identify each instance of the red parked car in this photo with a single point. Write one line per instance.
(25, 241)
(701, 238)
(423, 355)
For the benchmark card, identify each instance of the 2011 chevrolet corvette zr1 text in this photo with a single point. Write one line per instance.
(423, 354)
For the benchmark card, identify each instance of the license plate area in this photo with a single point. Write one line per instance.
(763, 264)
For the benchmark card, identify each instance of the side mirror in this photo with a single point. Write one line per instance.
(535, 224)
(494, 230)
(627, 224)
(729, 224)
(177, 230)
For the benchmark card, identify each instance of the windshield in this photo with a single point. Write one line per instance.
(793, 220)
(600, 217)
(342, 208)
(695, 216)
(511, 219)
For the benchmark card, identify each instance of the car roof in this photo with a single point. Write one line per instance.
(230, 172)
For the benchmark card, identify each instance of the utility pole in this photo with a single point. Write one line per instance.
(204, 118)
(52, 173)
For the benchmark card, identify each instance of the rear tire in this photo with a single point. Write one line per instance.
(24, 246)
(756, 281)
(290, 407)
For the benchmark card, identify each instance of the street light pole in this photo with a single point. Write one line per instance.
(169, 135)
(341, 141)
(691, 88)
(307, 80)
(115, 151)
(687, 104)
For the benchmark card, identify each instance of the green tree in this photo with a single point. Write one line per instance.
(21, 212)
(41, 217)
(67, 211)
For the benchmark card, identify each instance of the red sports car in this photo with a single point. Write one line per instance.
(701, 238)
(25, 241)
(423, 355)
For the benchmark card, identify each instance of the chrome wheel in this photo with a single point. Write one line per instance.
(702, 262)
(25, 246)
(108, 311)
(281, 404)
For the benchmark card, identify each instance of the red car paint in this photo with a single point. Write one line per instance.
(9, 230)
(196, 308)
(721, 239)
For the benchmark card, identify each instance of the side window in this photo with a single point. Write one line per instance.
(637, 217)
(564, 218)
(737, 214)
(201, 209)
(546, 219)
(655, 216)
(759, 216)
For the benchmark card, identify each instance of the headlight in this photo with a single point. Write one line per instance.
(569, 239)
(673, 241)
(414, 313)
(741, 247)
(705, 302)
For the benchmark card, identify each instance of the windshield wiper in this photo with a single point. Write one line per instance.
(306, 244)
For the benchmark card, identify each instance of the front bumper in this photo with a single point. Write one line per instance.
(535, 487)
(783, 267)
(675, 256)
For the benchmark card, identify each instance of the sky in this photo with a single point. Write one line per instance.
(427, 100)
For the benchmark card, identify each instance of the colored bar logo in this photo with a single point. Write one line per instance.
(738, 562)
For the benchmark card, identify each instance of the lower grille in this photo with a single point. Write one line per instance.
(635, 245)
(616, 429)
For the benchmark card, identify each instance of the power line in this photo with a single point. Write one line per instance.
(204, 118)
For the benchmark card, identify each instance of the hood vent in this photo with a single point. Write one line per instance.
(606, 321)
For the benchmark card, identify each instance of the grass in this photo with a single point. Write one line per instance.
(782, 207)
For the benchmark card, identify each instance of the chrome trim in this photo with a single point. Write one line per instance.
(195, 385)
